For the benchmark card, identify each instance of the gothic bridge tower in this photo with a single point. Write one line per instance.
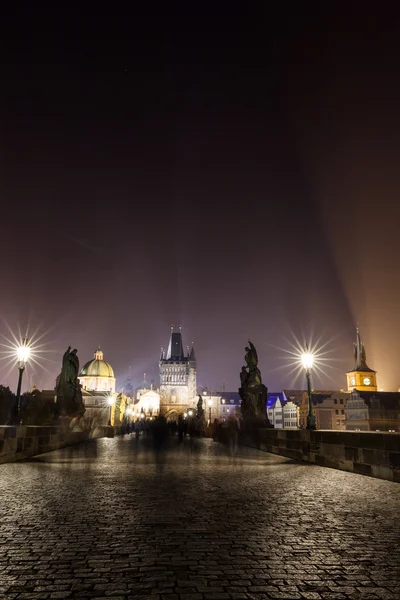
(177, 377)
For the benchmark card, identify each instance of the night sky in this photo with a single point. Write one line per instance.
(237, 174)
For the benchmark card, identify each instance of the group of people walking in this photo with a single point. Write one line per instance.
(159, 429)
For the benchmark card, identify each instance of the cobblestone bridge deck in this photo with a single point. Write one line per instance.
(108, 519)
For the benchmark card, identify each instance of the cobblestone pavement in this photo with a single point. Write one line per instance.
(109, 520)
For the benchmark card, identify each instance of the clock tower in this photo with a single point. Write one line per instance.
(361, 378)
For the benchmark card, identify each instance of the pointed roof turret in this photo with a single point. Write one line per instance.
(360, 356)
(175, 346)
(192, 355)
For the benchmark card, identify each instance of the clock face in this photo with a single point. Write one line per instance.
(353, 381)
(367, 381)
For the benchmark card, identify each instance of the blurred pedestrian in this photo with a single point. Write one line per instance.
(233, 434)
(214, 430)
(160, 432)
(181, 427)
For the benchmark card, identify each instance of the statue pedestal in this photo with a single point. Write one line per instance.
(254, 405)
(69, 403)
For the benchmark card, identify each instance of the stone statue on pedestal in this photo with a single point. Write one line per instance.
(252, 391)
(69, 401)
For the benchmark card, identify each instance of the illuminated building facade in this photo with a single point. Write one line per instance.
(282, 412)
(103, 406)
(361, 377)
(373, 411)
(177, 378)
(147, 400)
(328, 408)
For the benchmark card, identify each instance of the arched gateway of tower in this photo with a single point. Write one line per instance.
(177, 378)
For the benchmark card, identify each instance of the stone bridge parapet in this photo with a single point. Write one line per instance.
(368, 453)
(21, 442)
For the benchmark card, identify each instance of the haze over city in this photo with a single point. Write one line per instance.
(237, 177)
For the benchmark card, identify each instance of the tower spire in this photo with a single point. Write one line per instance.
(175, 346)
(360, 354)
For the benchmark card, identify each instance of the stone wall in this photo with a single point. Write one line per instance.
(366, 453)
(17, 443)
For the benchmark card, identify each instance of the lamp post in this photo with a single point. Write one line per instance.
(23, 353)
(209, 410)
(110, 402)
(307, 360)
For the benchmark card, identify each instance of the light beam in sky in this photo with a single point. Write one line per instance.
(316, 355)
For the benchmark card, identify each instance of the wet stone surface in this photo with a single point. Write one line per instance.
(109, 519)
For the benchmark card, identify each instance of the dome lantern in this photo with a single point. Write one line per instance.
(98, 355)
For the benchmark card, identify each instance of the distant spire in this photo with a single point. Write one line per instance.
(192, 355)
(360, 354)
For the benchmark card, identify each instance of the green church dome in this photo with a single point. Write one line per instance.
(97, 367)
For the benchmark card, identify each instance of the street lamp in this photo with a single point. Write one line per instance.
(209, 409)
(307, 360)
(23, 352)
(110, 402)
(190, 413)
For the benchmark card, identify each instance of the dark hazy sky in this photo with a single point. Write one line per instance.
(234, 173)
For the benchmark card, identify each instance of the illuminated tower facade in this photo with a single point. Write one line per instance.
(361, 378)
(177, 377)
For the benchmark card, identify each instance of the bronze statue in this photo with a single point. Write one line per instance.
(251, 357)
(243, 376)
(70, 367)
(69, 401)
(252, 391)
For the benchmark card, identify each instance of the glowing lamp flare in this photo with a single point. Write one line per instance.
(110, 400)
(23, 353)
(307, 360)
